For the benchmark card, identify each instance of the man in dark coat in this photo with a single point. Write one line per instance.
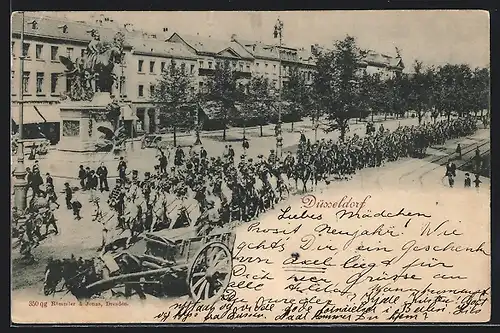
(179, 157)
(102, 173)
(122, 169)
(82, 175)
(69, 195)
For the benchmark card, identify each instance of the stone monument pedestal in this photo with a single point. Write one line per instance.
(80, 121)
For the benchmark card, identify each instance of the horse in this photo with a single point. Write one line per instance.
(98, 66)
(77, 276)
(304, 172)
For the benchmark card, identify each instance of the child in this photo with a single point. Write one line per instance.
(467, 181)
(76, 205)
(51, 194)
(451, 181)
(477, 181)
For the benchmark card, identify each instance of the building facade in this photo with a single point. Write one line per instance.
(211, 52)
(267, 59)
(43, 82)
(149, 58)
(146, 55)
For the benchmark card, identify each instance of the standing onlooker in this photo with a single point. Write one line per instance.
(82, 175)
(245, 145)
(93, 182)
(51, 194)
(122, 169)
(102, 173)
(203, 153)
(36, 181)
(459, 151)
(231, 154)
(179, 157)
(69, 195)
(88, 178)
(163, 162)
(49, 180)
(29, 178)
(76, 205)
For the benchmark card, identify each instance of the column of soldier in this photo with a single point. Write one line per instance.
(226, 191)
(252, 186)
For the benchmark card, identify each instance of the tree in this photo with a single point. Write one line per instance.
(223, 89)
(174, 98)
(257, 102)
(295, 91)
(454, 89)
(373, 95)
(481, 89)
(420, 85)
(337, 85)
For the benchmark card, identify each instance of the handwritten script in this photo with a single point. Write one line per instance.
(356, 258)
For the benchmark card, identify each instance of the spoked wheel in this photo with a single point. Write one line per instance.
(210, 272)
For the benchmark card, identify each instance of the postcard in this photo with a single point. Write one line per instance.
(250, 167)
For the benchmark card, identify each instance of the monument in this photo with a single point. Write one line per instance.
(91, 130)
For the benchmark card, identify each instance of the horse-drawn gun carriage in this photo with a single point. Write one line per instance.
(169, 262)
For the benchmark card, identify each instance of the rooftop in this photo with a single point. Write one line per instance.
(213, 46)
(160, 48)
(43, 26)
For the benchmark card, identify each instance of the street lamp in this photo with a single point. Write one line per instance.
(20, 170)
(278, 33)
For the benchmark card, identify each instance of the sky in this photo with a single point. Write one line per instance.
(434, 37)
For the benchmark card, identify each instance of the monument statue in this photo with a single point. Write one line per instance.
(96, 65)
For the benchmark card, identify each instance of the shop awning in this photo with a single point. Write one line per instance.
(50, 113)
(30, 116)
(36, 114)
(128, 113)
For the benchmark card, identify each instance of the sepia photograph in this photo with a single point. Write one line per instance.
(250, 167)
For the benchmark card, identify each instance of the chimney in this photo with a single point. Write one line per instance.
(165, 29)
(197, 34)
(233, 37)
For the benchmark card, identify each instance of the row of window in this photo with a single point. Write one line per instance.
(152, 67)
(41, 89)
(39, 83)
(39, 51)
(233, 64)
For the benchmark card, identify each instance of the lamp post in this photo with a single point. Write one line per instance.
(20, 170)
(278, 33)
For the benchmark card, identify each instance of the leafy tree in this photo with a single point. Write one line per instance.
(420, 86)
(174, 98)
(296, 92)
(337, 85)
(223, 89)
(453, 89)
(396, 95)
(257, 102)
(481, 89)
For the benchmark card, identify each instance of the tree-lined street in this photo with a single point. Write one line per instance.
(231, 167)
